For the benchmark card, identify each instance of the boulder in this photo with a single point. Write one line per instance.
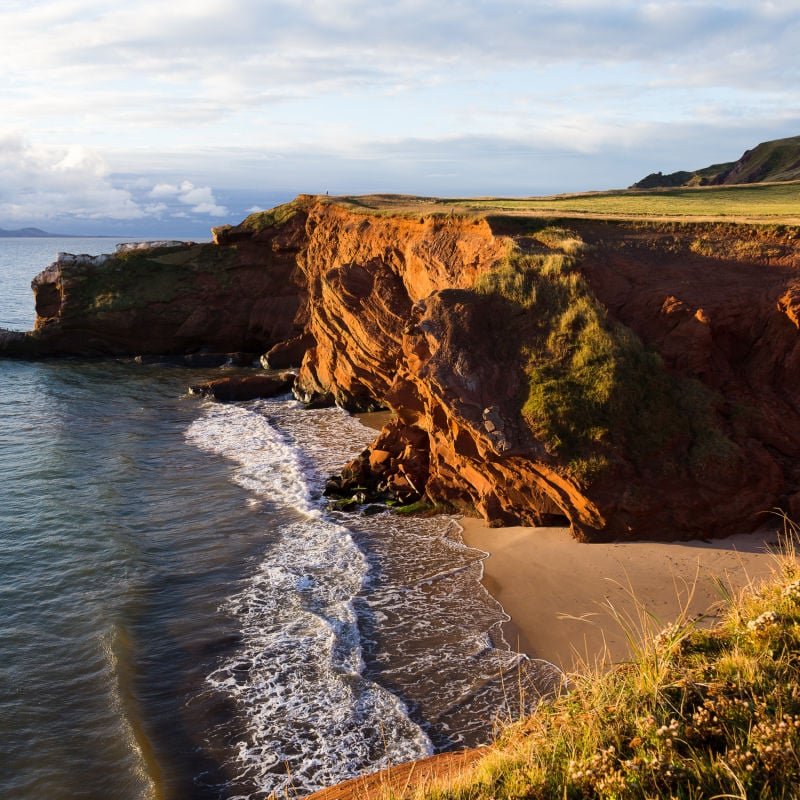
(245, 387)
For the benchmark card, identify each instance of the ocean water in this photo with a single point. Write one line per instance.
(181, 617)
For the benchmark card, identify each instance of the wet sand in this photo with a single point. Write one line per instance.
(558, 592)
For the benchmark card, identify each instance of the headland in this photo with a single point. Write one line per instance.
(622, 366)
(630, 378)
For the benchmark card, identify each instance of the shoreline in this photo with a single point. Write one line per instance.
(559, 593)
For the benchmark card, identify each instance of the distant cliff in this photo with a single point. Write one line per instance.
(636, 379)
(778, 160)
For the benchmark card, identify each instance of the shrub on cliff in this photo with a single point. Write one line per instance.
(695, 714)
(593, 387)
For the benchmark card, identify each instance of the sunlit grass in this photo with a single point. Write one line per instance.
(757, 202)
(695, 713)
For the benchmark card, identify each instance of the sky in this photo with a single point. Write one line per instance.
(167, 118)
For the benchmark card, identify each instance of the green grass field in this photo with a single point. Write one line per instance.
(777, 203)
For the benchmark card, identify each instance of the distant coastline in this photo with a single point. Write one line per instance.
(38, 233)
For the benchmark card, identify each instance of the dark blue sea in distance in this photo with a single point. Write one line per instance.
(180, 617)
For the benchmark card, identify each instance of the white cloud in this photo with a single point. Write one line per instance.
(200, 198)
(164, 190)
(41, 182)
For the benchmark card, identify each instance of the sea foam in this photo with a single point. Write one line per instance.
(366, 640)
(313, 718)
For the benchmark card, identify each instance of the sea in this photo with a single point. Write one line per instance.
(181, 616)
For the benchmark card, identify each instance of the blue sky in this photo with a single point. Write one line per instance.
(148, 117)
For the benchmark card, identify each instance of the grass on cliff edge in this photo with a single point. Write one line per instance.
(592, 385)
(137, 278)
(776, 202)
(696, 713)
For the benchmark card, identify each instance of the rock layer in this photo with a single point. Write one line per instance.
(384, 314)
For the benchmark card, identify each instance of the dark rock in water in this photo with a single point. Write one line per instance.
(345, 504)
(289, 353)
(16, 344)
(313, 399)
(177, 361)
(245, 387)
(373, 509)
(242, 359)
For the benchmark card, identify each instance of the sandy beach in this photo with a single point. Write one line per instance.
(558, 592)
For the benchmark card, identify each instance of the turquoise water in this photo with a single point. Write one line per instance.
(179, 615)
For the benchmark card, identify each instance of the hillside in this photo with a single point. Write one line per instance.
(778, 160)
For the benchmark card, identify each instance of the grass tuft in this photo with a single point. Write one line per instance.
(694, 714)
(261, 220)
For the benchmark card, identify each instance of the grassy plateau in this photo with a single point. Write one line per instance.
(775, 202)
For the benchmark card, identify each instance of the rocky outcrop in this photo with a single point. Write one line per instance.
(245, 387)
(692, 430)
(363, 274)
(403, 780)
(172, 298)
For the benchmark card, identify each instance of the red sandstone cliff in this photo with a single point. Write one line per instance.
(388, 316)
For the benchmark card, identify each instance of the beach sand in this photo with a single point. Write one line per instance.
(374, 419)
(557, 591)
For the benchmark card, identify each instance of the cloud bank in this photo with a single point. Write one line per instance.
(63, 184)
(198, 109)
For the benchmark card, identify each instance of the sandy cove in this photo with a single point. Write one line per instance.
(558, 592)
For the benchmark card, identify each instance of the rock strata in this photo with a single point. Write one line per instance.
(674, 349)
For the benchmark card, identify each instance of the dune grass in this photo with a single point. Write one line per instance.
(695, 713)
(593, 387)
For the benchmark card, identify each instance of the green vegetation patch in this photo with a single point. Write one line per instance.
(138, 278)
(696, 714)
(767, 202)
(592, 385)
(261, 220)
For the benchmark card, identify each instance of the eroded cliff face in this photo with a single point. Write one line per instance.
(363, 275)
(384, 312)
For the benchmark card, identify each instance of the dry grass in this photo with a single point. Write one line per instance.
(695, 714)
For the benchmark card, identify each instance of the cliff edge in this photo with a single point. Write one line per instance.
(636, 379)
